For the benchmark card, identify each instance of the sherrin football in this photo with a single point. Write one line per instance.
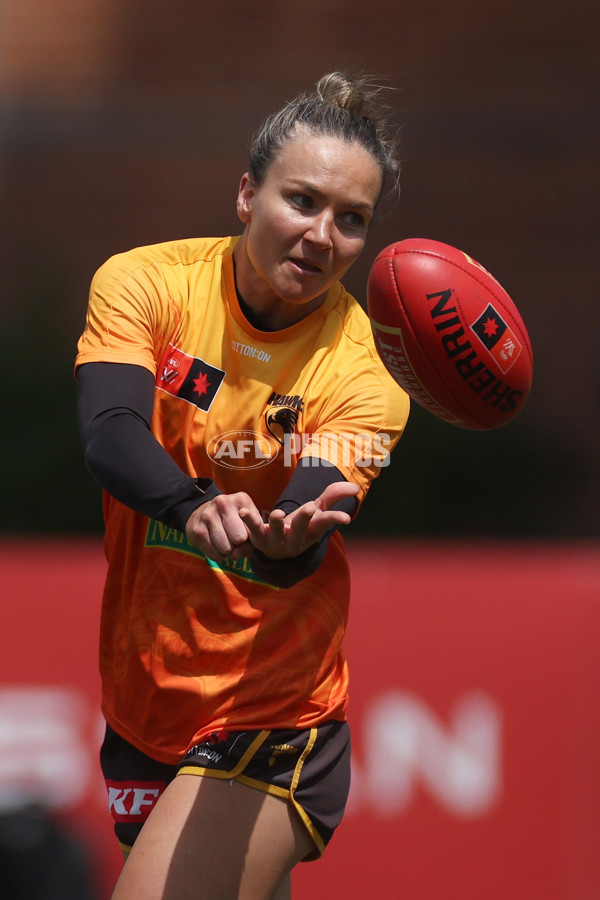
(449, 333)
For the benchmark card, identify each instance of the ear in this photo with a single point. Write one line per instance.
(245, 196)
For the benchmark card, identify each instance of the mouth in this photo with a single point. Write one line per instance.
(305, 266)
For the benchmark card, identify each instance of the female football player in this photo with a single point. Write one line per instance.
(234, 409)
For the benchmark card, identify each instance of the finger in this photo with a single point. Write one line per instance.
(339, 490)
(242, 550)
(253, 522)
(217, 543)
(297, 524)
(233, 526)
(205, 532)
(277, 523)
(324, 521)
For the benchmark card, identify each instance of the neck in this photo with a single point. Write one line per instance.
(268, 313)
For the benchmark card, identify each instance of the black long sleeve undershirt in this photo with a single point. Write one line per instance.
(115, 408)
(115, 403)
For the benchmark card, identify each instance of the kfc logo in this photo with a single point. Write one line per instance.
(132, 801)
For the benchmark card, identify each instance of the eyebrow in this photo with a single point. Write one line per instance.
(307, 186)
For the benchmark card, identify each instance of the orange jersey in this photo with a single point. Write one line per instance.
(189, 646)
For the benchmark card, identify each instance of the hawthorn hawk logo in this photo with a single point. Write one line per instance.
(282, 415)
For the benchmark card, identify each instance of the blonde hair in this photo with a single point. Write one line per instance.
(340, 106)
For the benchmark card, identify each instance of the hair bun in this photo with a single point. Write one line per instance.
(339, 90)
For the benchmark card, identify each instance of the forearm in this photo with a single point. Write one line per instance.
(114, 408)
(133, 468)
(308, 481)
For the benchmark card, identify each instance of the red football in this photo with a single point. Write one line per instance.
(449, 333)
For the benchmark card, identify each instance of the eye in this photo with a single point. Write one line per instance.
(355, 219)
(301, 201)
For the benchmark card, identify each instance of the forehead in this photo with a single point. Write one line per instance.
(328, 163)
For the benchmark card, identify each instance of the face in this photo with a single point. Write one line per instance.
(306, 223)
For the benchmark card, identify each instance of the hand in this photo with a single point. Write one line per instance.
(217, 529)
(284, 536)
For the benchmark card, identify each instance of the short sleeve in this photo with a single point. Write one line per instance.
(360, 424)
(130, 314)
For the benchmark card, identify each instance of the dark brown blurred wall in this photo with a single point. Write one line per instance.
(125, 123)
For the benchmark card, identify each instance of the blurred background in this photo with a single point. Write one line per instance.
(124, 123)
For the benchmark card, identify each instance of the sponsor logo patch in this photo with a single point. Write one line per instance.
(189, 377)
(132, 801)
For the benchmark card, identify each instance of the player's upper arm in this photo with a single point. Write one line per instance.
(360, 423)
(129, 316)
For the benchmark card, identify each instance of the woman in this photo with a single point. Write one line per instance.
(234, 409)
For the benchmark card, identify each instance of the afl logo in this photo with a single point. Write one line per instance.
(242, 449)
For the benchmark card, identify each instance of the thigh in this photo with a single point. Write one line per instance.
(134, 782)
(310, 768)
(211, 838)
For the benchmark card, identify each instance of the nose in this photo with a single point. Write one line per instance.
(320, 231)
